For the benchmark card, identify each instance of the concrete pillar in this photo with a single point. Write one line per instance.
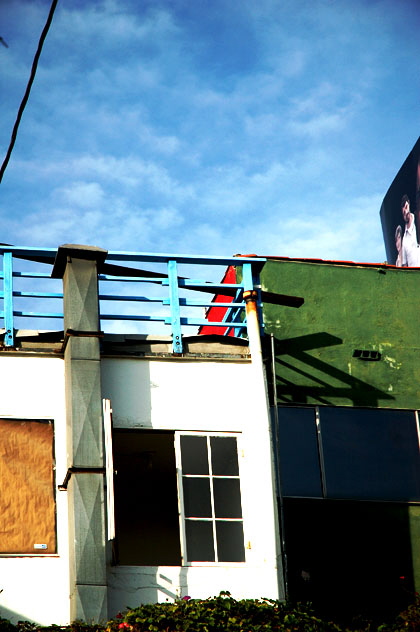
(77, 266)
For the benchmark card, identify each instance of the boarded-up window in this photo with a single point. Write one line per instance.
(27, 502)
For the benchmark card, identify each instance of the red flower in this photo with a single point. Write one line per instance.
(186, 598)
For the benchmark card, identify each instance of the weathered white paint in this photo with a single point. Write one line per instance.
(214, 397)
(131, 586)
(37, 588)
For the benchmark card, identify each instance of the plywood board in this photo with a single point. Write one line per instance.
(27, 500)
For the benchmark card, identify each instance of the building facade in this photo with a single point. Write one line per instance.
(345, 396)
(279, 462)
(135, 468)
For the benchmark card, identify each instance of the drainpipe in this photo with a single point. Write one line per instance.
(84, 482)
(253, 325)
(261, 395)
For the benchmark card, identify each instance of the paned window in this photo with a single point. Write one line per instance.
(177, 498)
(211, 498)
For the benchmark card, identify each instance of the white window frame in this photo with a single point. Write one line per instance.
(182, 518)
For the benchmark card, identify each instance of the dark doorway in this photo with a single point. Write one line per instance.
(146, 498)
(349, 558)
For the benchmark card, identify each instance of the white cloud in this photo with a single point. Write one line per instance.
(114, 227)
(319, 125)
(81, 194)
(140, 134)
(350, 231)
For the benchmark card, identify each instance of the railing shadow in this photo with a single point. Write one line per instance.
(303, 376)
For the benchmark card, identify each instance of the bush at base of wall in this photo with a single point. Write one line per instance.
(225, 614)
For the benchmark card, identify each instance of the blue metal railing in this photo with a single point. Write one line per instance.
(177, 308)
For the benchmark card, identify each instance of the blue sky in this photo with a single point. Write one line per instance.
(208, 126)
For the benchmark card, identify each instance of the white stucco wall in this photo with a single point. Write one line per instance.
(207, 396)
(212, 396)
(36, 587)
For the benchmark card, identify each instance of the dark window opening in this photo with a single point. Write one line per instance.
(146, 506)
(351, 558)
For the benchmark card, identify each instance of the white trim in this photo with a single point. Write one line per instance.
(209, 476)
(109, 468)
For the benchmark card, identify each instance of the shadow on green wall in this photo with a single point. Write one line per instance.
(302, 377)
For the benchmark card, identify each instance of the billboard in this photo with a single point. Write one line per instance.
(400, 214)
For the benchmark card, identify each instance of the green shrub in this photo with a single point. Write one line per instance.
(222, 613)
(406, 621)
(6, 625)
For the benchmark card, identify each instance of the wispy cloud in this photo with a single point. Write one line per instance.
(269, 127)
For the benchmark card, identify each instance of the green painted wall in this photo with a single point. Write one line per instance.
(346, 308)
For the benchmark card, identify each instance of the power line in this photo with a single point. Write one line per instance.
(28, 88)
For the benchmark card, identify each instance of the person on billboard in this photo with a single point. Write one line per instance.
(398, 245)
(410, 250)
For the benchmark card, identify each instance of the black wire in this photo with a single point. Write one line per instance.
(28, 88)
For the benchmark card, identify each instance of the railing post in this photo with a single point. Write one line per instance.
(247, 280)
(8, 299)
(175, 309)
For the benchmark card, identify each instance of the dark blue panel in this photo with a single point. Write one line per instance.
(370, 454)
(298, 452)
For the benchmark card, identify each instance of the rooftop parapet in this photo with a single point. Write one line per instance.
(138, 292)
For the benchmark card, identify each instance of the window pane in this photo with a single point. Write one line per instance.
(298, 447)
(224, 456)
(194, 455)
(370, 454)
(227, 498)
(197, 502)
(230, 541)
(200, 547)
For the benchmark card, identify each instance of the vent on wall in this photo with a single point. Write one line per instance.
(366, 354)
